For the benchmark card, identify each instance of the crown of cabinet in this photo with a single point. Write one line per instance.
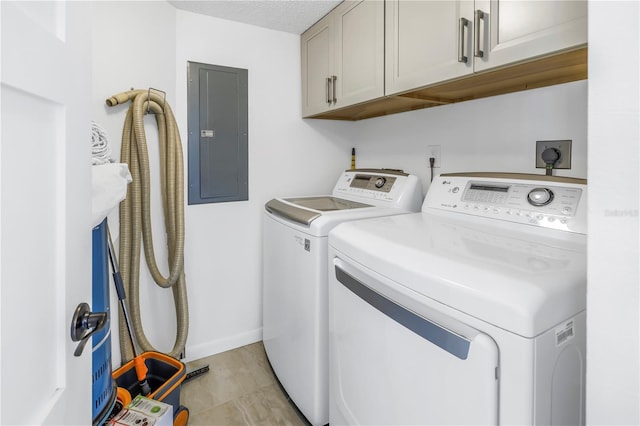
(371, 58)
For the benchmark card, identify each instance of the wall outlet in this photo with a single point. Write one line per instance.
(564, 146)
(434, 151)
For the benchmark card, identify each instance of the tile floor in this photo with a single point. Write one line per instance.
(239, 389)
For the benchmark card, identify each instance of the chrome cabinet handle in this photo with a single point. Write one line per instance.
(462, 23)
(328, 90)
(333, 83)
(477, 17)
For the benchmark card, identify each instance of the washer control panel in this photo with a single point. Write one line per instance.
(380, 187)
(558, 203)
(372, 182)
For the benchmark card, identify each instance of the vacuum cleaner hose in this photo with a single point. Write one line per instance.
(135, 215)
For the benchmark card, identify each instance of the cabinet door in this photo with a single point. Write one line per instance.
(359, 51)
(516, 30)
(422, 41)
(317, 65)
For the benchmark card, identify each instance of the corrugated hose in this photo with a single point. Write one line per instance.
(135, 216)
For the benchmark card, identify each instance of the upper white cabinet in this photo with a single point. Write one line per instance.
(343, 57)
(515, 30)
(373, 57)
(317, 67)
(428, 42)
(422, 41)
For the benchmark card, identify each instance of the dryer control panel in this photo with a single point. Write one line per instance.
(545, 201)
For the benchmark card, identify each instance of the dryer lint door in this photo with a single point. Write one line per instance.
(390, 365)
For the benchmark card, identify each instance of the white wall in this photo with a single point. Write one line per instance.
(286, 157)
(490, 134)
(613, 318)
(132, 50)
(223, 253)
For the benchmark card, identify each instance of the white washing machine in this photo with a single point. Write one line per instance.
(295, 313)
(469, 312)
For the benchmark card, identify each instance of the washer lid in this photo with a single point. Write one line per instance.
(306, 209)
(501, 273)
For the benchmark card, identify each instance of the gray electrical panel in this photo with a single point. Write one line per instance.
(218, 133)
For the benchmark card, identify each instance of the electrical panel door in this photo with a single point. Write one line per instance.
(218, 137)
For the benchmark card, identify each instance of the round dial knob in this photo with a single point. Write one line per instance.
(540, 196)
(380, 182)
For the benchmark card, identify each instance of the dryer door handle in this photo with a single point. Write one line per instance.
(445, 339)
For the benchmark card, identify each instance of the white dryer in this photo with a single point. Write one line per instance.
(470, 312)
(295, 313)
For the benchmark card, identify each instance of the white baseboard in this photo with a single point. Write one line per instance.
(204, 350)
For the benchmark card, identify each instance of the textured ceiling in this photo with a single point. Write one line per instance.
(292, 16)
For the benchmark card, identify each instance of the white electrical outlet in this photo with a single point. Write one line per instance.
(434, 151)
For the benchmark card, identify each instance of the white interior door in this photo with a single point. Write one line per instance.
(45, 208)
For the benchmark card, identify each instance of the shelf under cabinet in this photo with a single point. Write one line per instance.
(559, 68)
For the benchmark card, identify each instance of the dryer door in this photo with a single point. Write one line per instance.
(396, 360)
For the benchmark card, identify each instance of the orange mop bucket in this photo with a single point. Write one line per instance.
(165, 376)
(153, 374)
